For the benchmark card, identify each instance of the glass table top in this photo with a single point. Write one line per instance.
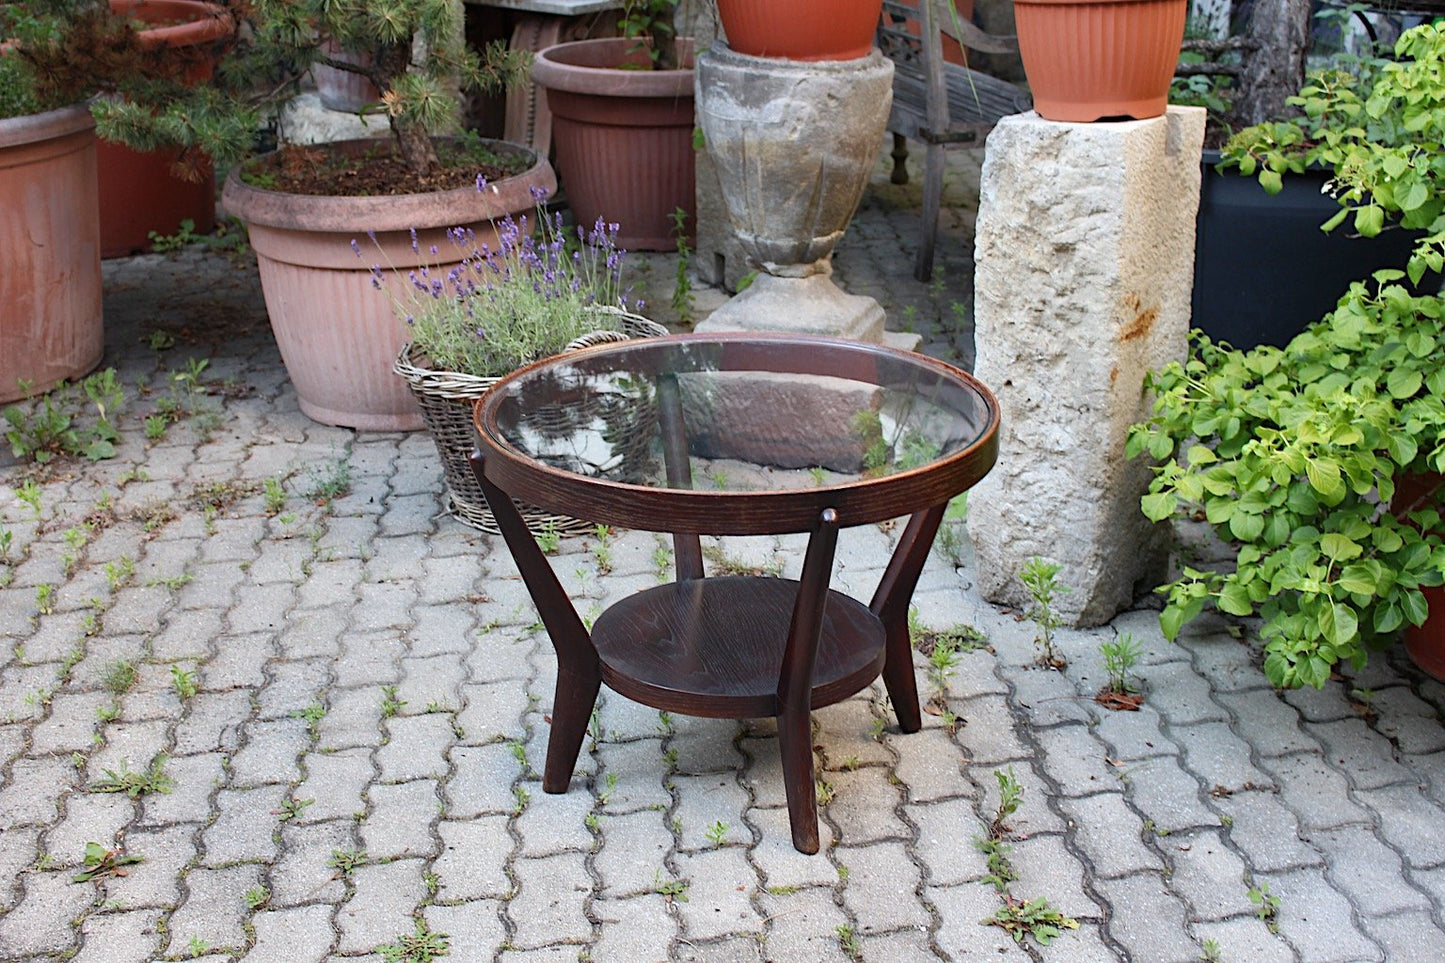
(739, 413)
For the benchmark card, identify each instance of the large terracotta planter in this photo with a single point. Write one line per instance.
(138, 191)
(801, 29)
(338, 335)
(1089, 60)
(623, 137)
(50, 314)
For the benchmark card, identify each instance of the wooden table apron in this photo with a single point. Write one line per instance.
(732, 620)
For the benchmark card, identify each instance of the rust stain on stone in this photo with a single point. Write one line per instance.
(1144, 319)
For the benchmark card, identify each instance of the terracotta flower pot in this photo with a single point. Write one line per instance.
(801, 29)
(1088, 60)
(338, 335)
(50, 313)
(1425, 643)
(623, 137)
(341, 89)
(138, 191)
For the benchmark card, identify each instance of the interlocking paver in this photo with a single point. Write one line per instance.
(399, 823)
(1375, 881)
(548, 905)
(1315, 791)
(381, 905)
(299, 935)
(882, 886)
(1315, 918)
(473, 860)
(214, 911)
(719, 885)
(119, 937)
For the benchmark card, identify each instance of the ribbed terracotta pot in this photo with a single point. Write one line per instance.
(1089, 60)
(50, 314)
(622, 137)
(138, 191)
(341, 89)
(338, 335)
(1425, 643)
(801, 29)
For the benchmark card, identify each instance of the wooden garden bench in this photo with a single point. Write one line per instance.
(938, 102)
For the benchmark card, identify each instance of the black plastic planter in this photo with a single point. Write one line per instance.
(1263, 269)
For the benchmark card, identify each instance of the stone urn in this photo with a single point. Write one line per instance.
(793, 143)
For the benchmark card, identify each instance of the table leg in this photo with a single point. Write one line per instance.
(795, 684)
(579, 674)
(686, 546)
(890, 604)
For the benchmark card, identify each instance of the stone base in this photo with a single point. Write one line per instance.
(1085, 257)
(718, 257)
(811, 305)
(305, 121)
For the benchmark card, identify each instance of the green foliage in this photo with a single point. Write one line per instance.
(101, 862)
(165, 243)
(133, 784)
(1041, 580)
(186, 682)
(72, 420)
(682, 298)
(654, 20)
(1294, 454)
(419, 946)
(1120, 657)
(1381, 128)
(1266, 905)
(1010, 797)
(1035, 917)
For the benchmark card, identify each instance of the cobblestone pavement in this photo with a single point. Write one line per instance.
(347, 703)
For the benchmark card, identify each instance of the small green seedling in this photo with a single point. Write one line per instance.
(717, 832)
(419, 946)
(1036, 918)
(186, 682)
(1041, 579)
(133, 784)
(1266, 905)
(101, 862)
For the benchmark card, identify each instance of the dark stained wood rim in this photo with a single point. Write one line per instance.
(734, 512)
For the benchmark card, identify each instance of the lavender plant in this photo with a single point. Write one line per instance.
(541, 287)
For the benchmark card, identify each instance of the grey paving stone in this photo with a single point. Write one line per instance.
(1168, 796)
(846, 731)
(240, 662)
(214, 911)
(1046, 867)
(548, 906)
(1267, 723)
(705, 745)
(1320, 705)
(473, 930)
(1361, 752)
(1404, 936)
(1218, 757)
(260, 608)
(991, 735)
(963, 934)
(1145, 919)
(352, 720)
(188, 634)
(1315, 791)
(1047, 698)
(119, 937)
(292, 687)
(637, 929)
(1208, 874)
(1074, 759)
(30, 795)
(399, 823)
(271, 753)
(245, 825)
(304, 872)
(481, 781)
(946, 834)
(417, 747)
(71, 724)
(1315, 918)
(555, 823)
(1266, 830)
(1410, 822)
(212, 722)
(865, 807)
(299, 935)
(89, 818)
(314, 633)
(369, 659)
(1229, 664)
(155, 882)
(1244, 938)
(1132, 736)
(1110, 833)
(472, 863)
(431, 683)
(381, 906)
(491, 711)
(719, 886)
(881, 888)
(450, 580)
(931, 767)
(20, 852)
(383, 606)
(443, 629)
(632, 853)
(40, 922)
(1369, 872)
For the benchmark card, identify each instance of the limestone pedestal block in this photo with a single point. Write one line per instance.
(793, 143)
(1085, 259)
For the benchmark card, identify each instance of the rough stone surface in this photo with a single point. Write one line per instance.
(1085, 251)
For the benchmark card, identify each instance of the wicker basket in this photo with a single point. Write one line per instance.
(447, 399)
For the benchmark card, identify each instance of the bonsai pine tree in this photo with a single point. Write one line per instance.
(413, 51)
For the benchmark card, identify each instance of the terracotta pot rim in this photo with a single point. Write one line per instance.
(394, 212)
(552, 69)
(204, 21)
(28, 128)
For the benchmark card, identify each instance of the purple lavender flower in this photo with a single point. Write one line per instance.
(356, 247)
(481, 183)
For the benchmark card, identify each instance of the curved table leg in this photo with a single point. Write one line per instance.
(795, 684)
(579, 676)
(890, 604)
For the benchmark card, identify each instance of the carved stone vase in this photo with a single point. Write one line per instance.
(793, 143)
